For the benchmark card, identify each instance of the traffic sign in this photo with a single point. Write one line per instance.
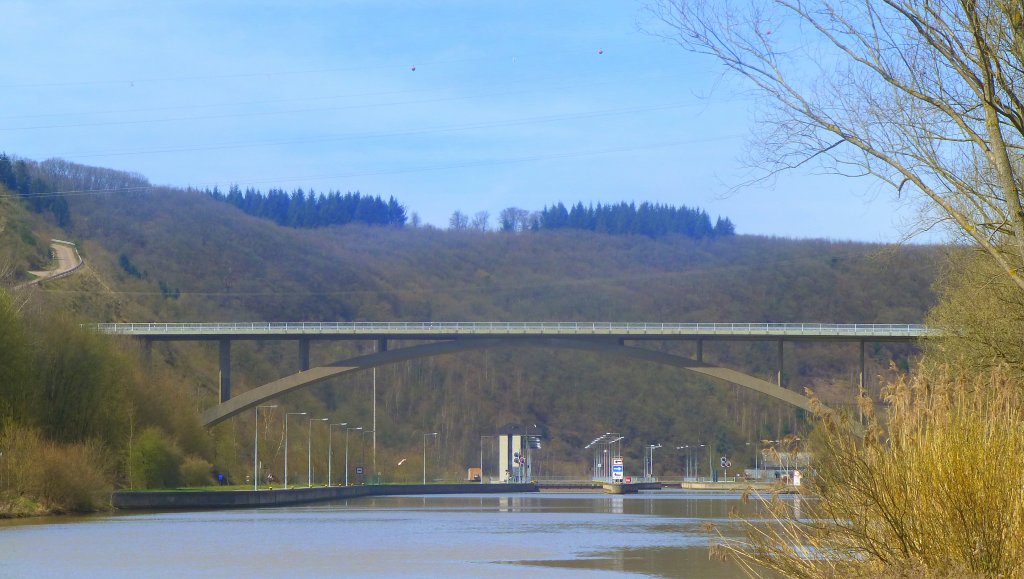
(617, 469)
(359, 470)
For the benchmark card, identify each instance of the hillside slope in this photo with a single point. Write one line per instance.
(170, 255)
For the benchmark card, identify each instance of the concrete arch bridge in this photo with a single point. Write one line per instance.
(607, 339)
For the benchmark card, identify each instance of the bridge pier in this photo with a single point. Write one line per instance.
(700, 350)
(303, 354)
(862, 343)
(860, 412)
(382, 345)
(225, 370)
(147, 352)
(778, 379)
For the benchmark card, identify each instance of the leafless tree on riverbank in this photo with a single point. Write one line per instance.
(926, 95)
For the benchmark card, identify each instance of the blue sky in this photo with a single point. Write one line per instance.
(446, 105)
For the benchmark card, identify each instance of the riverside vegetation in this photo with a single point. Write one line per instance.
(79, 416)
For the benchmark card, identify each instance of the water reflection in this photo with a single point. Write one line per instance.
(658, 534)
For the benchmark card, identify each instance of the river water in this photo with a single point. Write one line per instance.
(657, 533)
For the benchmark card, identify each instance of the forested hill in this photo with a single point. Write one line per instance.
(171, 255)
(307, 209)
(44, 188)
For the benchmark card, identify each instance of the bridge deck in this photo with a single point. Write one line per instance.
(449, 330)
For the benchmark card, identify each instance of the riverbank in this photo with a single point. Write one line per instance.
(21, 507)
(230, 499)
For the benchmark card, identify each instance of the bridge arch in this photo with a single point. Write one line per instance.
(277, 388)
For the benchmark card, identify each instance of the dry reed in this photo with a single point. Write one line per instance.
(934, 489)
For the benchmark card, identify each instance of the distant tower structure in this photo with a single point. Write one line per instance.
(512, 462)
(515, 462)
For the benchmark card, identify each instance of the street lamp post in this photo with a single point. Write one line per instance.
(425, 435)
(528, 456)
(691, 459)
(330, 450)
(607, 440)
(309, 452)
(709, 459)
(286, 444)
(482, 437)
(256, 450)
(347, 430)
(362, 449)
(649, 467)
(686, 462)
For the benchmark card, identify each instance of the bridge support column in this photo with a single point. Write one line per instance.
(303, 354)
(862, 365)
(700, 350)
(860, 413)
(382, 345)
(147, 352)
(225, 370)
(779, 376)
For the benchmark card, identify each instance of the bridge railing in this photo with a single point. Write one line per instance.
(531, 328)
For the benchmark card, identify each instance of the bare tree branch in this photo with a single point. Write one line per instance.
(925, 95)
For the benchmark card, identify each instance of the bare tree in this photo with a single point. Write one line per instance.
(514, 219)
(481, 221)
(458, 221)
(926, 95)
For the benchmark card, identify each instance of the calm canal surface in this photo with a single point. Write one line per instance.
(658, 533)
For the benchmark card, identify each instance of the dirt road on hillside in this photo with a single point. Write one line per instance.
(67, 258)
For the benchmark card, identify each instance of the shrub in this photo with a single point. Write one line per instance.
(196, 472)
(63, 477)
(937, 493)
(154, 461)
(73, 477)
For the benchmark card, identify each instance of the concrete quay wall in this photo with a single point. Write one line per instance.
(197, 500)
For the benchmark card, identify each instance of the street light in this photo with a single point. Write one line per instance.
(286, 443)
(482, 437)
(362, 450)
(649, 463)
(346, 450)
(528, 456)
(256, 450)
(425, 454)
(686, 461)
(309, 451)
(330, 450)
(599, 466)
(691, 463)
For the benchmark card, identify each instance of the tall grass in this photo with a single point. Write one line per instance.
(934, 489)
